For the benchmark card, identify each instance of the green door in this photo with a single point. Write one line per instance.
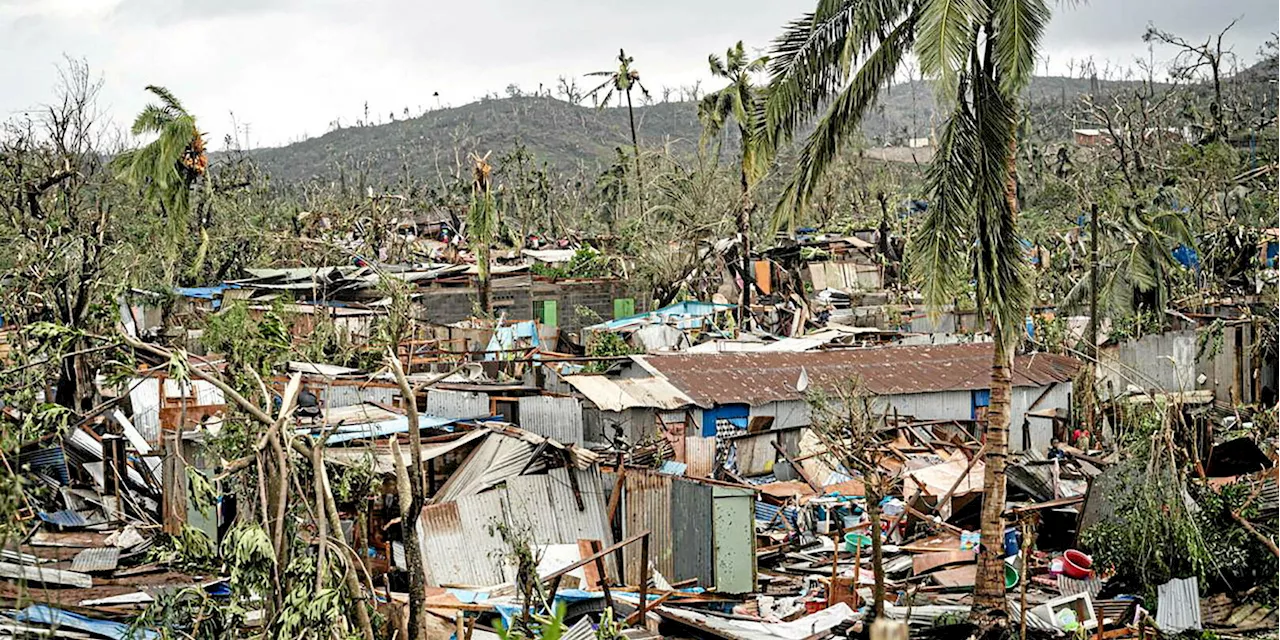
(624, 307)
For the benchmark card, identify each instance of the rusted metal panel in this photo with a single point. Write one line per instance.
(757, 378)
(646, 505)
(457, 404)
(459, 548)
(557, 418)
(700, 455)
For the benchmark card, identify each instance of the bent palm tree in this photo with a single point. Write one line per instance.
(482, 226)
(981, 53)
(737, 102)
(167, 167)
(620, 82)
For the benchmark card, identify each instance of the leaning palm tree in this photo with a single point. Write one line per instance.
(167, 167)
(620, 82)
(482, 226)
(737, 103)
(835, 62)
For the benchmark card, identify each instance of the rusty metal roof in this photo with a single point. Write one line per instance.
(759, 377)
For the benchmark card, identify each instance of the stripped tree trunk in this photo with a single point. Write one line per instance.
(988, 591)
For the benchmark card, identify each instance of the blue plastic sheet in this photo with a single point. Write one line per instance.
(40, 614)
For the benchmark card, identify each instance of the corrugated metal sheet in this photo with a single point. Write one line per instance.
(1178, 605)
(144, 396)
(457, 404)
(461, 550)
(50, 461)
(557, 418)
(760, 377)
(346, 395)
(700, 455)
(64, 518)
(692, 549)
(497, 458)
(99, 559)
(613, 394)
(646, 505)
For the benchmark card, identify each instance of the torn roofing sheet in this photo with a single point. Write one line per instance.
(613, 394)
(814, 625)
(384, 462)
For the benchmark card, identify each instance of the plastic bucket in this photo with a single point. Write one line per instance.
(854, 540)
(1011, 576)
(1077, 565)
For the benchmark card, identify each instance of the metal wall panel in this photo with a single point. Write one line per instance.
(700, 455)
(646, 505)
(735, 553)
(144, 396)
(457, 404)
(345, 395)
(461, 549)
(692, 547)
(557, 418)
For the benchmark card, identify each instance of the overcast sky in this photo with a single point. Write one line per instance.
(287, 68)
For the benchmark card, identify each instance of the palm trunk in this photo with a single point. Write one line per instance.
(988, 590)
(482, 278)
(635, 148)
(744, 229)
(988, 593)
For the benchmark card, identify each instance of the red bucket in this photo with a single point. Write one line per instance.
(1077, 565)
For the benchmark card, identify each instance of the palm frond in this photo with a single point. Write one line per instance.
(1018, 27)
(152, 119)
(841, 122)
(1000, 270)
(809, 62)
(170, 101)
(717, 65)
(946, 36)
(939, 249)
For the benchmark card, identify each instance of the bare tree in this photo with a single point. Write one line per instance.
(1197, 60)
(853, 438)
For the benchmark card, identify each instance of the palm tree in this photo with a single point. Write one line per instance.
(482, 226)
(737, 102)
(835, 61)
(620, 82)
(167, 167)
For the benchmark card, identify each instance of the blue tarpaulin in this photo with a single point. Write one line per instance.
(204, 293)
(40, 614)
(1186, 256)
(504, 338)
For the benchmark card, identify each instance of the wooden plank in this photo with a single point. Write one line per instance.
(926, 562)
(958, 577)
(45, 575)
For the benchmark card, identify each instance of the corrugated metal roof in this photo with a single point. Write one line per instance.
(759, 377)
(557, 418)
(613, 394)
(1178, 605)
